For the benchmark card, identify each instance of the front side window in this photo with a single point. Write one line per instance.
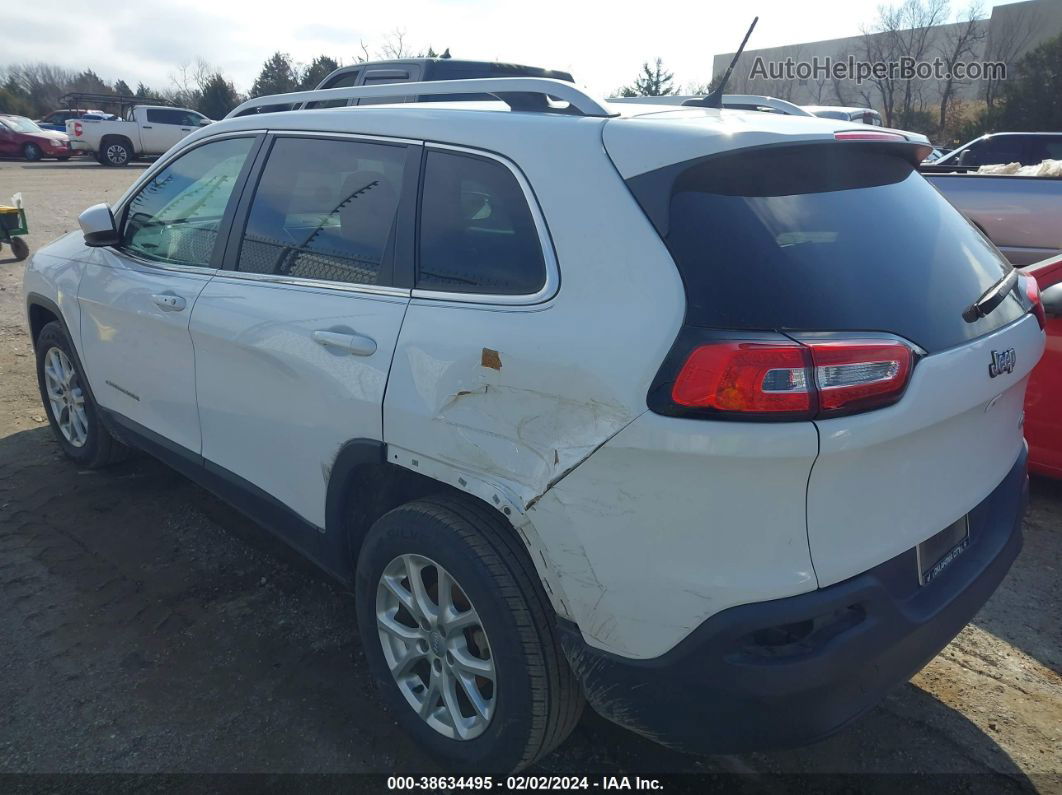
(175, 217)
(477, 234)
(325, 210)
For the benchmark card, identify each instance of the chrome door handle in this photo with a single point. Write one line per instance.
(169, 303)
(356, 344)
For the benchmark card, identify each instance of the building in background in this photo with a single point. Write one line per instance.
(1006, 35)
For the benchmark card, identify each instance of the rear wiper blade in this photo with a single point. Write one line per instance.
(990, 298)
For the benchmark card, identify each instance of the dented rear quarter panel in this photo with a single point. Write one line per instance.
(674, 520)
(519, 396)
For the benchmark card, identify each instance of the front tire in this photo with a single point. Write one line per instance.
(459, 636)
(32, 152)
(72, 411)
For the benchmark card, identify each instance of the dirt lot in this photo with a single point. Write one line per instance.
(148, 627)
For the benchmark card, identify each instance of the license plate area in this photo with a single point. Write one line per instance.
(938, 552)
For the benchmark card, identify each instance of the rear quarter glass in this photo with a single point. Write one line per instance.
(843, 236)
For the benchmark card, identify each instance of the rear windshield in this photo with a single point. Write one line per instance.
(831, 237)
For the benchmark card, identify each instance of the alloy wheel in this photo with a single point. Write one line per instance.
(66, 397)
(117, 154)
(436, 647)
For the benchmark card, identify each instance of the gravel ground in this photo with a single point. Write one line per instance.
(147, 627)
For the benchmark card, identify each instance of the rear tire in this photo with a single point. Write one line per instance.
(530, 697)
(116, 153)
(72, 411)
(19, 248)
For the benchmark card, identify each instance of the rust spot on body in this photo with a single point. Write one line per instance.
(491, 359)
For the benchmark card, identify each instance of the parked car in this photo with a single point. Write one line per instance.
(1043, 408)
(1022, 215)
(144, 131)
(862, 115)
(527, 402)
(1027, 148)
(21, 137)
(413, 70)
(935, 154)
(56, 120)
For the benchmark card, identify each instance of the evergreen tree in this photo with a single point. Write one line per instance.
(218, 97)
(88, 82)
(652, 81)
(122, 88)
(1031, 99)
(15, 99)
(318, 70)
(278, 76)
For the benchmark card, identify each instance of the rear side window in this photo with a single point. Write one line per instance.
(325, 210)
(477, 234)
(1043, 147)
(172, 116)
(382, 76)
(831, 237)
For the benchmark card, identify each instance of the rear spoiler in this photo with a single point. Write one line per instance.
(653, 189)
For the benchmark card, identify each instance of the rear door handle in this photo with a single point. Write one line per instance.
(147, 127)
(356, 344)
(168, 302)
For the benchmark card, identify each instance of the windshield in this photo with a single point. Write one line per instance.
(21, 124)
(831, 237)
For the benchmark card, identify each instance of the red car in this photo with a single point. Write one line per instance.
(1043, 397)
(21, 137)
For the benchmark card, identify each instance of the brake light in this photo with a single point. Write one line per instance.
(78, 129)
(1032, 292)
(793, 380)
(867, 135)
(746, 377)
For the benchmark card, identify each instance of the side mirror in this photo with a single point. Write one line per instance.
(1051, 298)
(97, 222)
(205, 122)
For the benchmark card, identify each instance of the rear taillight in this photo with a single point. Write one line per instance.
(857, 375)
(745, 377)
(1032, 292)
(792, 380)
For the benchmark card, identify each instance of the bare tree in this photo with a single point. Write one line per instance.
(958, 43)
(904, 31)
(1008, 37)
(395, 46)
(188, 82)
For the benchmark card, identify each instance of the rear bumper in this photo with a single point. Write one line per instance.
(739, 682)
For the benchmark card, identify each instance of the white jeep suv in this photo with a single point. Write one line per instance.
(710, 418)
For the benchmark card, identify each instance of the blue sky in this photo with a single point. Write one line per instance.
(602, 44)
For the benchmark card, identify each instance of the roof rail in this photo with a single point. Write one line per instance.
(519, 93)
(729, 101)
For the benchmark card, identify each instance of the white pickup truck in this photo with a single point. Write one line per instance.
(144, 131)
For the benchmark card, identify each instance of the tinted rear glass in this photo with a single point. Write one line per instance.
(826, 238)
